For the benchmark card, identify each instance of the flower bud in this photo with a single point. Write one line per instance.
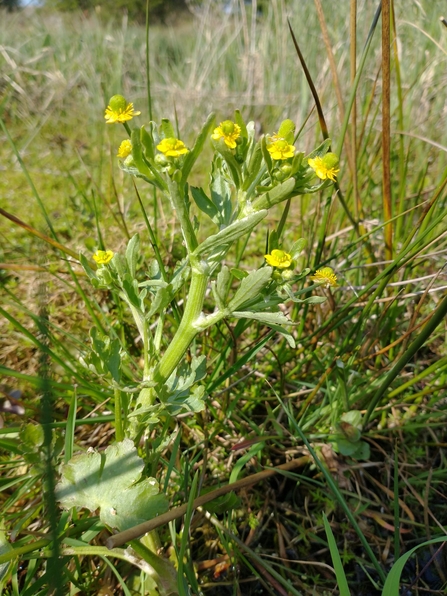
(287, 274)
(161, 160)
(279, 175)
(104, 277)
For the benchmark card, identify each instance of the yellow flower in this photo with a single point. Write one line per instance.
(279, 148)
(228, 131)
(279, 258)
(325, 167)
(125, 149)
(172, 147)
(102, 257)
(325, 276)
(119, 110)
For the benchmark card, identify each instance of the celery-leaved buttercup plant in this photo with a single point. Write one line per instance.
(247, 176)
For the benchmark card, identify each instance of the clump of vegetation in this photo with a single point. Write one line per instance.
(224, 358)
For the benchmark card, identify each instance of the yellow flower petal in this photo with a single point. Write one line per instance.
(119, 110)
(125, 149)
(229, 132)
(172, 147)
(325, 276)
(279, 148)
(323, 168)
(279, 258)
(102, 257)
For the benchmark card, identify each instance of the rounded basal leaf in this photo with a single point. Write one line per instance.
(110, 481)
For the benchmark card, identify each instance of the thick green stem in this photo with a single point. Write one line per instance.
(187, 329)
(179, 204)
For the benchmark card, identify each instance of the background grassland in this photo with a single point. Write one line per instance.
(57, 73)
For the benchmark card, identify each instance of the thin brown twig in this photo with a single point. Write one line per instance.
(140, 529)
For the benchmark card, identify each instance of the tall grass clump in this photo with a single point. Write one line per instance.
(223, 305)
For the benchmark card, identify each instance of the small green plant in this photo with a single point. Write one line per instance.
(247, 176)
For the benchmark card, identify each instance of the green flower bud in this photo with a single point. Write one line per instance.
(287, 274)
(161, 160)
(279, 175)
(104, 276)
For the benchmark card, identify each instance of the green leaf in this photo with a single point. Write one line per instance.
(70, 428)
(363, 451)
(353, 417)
(220, 287)
(345, 447)
(278, 193)
(204, 203)
(273, 320)
(252, 452)
(336, 560)
(191, 156)
(233, 166)
(313, 300)
(111, 481)
(223, 282)
(297, 165)
(231, 232)
(251, 286)
(254, 167)
(147, 142)
(138, 158)
(31, 437)
(131, 293)
(320, 151)
(162, 298)
(273, 241)
(195, 400)
(238, 273)
(132, 252)
(86, 266)
(105, 354)
(220, 193)
(392, 583)
(297, 248)
(223, 503)
(119, 264)
(240, 122)
(153, 177)
(5, 547)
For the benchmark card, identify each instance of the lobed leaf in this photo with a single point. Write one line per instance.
(111, 482)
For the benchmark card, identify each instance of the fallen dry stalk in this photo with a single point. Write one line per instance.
(140, 529)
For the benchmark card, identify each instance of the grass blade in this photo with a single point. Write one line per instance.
(336, 560)
(392, 583)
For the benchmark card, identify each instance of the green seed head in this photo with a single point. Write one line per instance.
(117, 103)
